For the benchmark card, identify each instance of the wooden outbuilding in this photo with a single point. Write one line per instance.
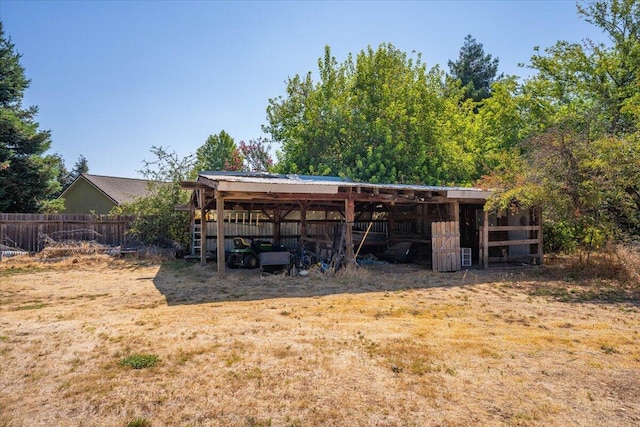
(447, 227)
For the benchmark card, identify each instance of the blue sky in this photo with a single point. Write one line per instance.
(114, 78)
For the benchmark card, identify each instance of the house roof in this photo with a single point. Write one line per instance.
(120, 190)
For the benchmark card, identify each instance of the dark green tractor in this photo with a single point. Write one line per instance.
(246, 253)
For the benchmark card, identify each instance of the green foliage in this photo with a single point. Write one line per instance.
(139, 422)
(381, 117)
(580, 152)
(219, 152)
(157, 220)
(140, 361)
(559, 237)
(80, 166)
(27, 175)
(475, 70)
(64, 178)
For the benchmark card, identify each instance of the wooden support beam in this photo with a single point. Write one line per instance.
(349, 207)
(455, 211)
(495, 243)
(203, 227)
(540, 238)
(220, 234)
(485, 240)
(303, 223)
(277, 215)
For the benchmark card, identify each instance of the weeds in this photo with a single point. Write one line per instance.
(140, 361)
(608, 349)
(139, 422)
(32, 306)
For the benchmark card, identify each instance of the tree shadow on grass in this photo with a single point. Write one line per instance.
(183, 283)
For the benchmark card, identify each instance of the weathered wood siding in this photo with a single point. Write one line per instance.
(289, 231)
(29, 231)
(445, 238)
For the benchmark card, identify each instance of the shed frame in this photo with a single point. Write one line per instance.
(290, 199)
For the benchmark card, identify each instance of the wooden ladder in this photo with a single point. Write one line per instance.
(196, 245)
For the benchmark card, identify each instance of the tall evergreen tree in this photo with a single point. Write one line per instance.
(81, 166)
(475, 70)
(27, 175)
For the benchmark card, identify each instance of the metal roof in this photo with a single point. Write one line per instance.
(262, 178)
(273, 178)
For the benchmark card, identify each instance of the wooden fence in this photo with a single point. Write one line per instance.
(534, 242)
(30, 232)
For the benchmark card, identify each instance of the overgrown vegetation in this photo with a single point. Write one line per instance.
(579, 150)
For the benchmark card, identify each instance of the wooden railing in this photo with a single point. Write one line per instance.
(486, 243)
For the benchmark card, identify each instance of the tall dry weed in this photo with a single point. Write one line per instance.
(629, 260)
(616, 262)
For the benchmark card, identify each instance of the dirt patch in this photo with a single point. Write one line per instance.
(386, 345)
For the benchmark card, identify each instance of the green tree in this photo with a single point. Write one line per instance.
(476, 70)
(373, 118)
(219, 152)
(27, 175)
(80, 166)
(157, 220)
(580, 157)
(65, 177)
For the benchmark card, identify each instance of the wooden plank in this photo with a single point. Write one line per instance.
(445, 245)
(513, 242)
(220, 234)
(485, 240)
(540, 238)
(514, 228)
(203, 228)
(349, 219)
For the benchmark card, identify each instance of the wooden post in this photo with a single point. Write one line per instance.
(276, 225)
(220, 234)
(485, 240)
(192, 221)
(455, 211)
(203, 227)
(540, 239)
(303, 223)
(349, 214)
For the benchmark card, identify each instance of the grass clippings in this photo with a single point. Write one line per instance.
(386, 345)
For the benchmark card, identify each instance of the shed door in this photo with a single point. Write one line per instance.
(445, 243)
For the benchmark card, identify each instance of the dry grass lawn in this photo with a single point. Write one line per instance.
(384, 346)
